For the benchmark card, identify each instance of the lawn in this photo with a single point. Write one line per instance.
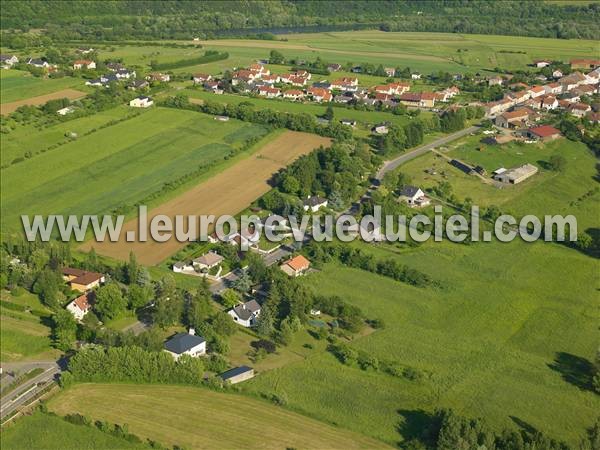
(119, 165)
(196, 417)
(24, 335)
(19, 85)
(50, 432)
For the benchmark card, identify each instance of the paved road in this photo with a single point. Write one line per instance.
(394, 163)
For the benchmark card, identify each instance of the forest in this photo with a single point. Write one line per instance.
(122, 20)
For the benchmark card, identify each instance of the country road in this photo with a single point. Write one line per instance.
(394, 163)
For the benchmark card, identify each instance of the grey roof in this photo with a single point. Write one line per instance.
(209, 259)
(234, 372)
(246, 310)
(183, 342)
(409, 191)
(314, 201)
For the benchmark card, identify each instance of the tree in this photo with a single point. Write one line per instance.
(257, 268)
(199, 310)
(132, 269)
(109, 302)
(265, 323)
(329, 113)
(230, 298)
(138, 296)
(276, 57)
(243, 283)
(223, 324)
(290, 184)
(557, 163)
(64, 330)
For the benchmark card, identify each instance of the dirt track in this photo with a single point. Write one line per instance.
(71, 94)
(228, 192)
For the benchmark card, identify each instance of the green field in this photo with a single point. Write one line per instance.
(53, 433)
(19, 85)
(118, 165)
(23, 335)
(199, 418)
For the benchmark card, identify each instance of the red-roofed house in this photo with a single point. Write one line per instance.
(269, 92)
(296, 266)
(81, 63)
(320, 94)
(579, 109)
(82, 305)
(544, 133)
(293, 94)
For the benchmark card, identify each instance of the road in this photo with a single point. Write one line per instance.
(25, 392)
(394, 163)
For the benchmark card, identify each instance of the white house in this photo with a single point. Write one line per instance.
(201, 78)
(186, 344)
(245, 314)
(81, 305)
(141, 102)
(181, 266)
(81, 63)
(414, 197)
(314, 203)
(207, 261)
(125, 74)
(415, 76)
(8, 61)
(38, 63)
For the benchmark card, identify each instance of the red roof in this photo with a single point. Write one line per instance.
(298, 263)
(544, 131)
(84, 302)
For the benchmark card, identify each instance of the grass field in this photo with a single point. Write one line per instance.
(197, 418)
(53, 433)
(71, 94)
(118, 165)
(20, 85)
(227, 192)
(23, 335)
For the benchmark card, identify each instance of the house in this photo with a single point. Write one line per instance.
(109, 78)
(207, 261)
(201, 78)
(181, 266)
(247, 238)
(493, 108)
(356, 69)
(414, 197)
(237, 374)
(82, 305)
(314, 203)
(557, 73)
(245, 314)
(571, 81)
(348, 122)
(269, 92)
(334, 67)
(160, 77)
(186, 344)
(114, 66)
(141, 102)
(418, 99)
(344, 99)
(536, 91)
(295, 80)
(495, 81)
(245, 76)
(543, 133)
(137, 84)
(83, 63)
(384, 89)
(515, 175)
(84, 50)
(8, 61)
(547, 102)
(82, 280)
(213, 86)
(270, 79)
(295, 266)
(38, 63)
(390, 71)
(319, 94)
(539, 63)
(66, 110)
(322, 85)
(518, 97)
(293, 94)
(571, 97)
(579, 109)
(513, 119)
(585, 63)
(125, 74)
(415, 76)
(95, 82)
(259, 69)
(345, 81)
(553, 88)
(380, 129)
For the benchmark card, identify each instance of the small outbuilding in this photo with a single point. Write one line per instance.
(237, 374)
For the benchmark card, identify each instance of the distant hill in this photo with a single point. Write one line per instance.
(146, 19)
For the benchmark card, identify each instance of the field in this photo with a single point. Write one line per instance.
(24, 335)
(119, 165)
(197, 418)
(18, 85)
(71, 94)
(53, 433)
(227, 192)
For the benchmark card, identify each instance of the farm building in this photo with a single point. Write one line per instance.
(295, 266)
(237, 374)
(245, 314)
(543, 133)
(515, 175)
(82, 305)
(186, 344)
(513, 119)
(141, 102)
(414, 197)
(462, 166)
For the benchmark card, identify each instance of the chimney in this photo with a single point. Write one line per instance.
(192, 331)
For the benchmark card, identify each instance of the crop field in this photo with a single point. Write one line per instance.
(227, 192)
(18, 85)
(118, 165)
(71, 94)
(500, 338)
(547, 192)
(195, 418)
(24, 335)
(49, 432)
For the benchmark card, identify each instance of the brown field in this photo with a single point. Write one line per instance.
(71, 94)
(228, 192)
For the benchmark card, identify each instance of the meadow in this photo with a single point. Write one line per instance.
(42, 430)
(24, 335)
(120, 164)
(196, 418)
(19, 85)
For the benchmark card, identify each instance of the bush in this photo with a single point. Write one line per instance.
(268, 346)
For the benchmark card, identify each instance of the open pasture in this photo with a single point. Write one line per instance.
(195, 418)
(227, 192)
(118, 165)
